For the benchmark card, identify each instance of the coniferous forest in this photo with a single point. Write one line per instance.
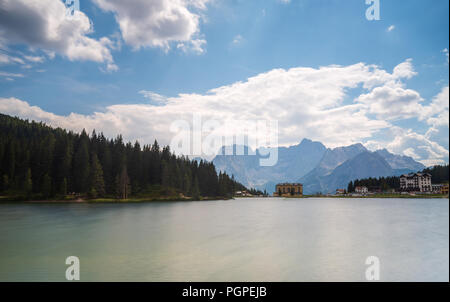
(40, 162)
(439, 174)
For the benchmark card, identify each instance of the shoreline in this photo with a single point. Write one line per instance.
(110, 200)
(170, 199)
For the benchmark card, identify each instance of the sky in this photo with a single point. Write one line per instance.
(318, 67)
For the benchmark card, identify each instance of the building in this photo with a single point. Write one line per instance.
(436, 188)
(440, 189)
(361, 190)
(416, 182)
(444, 189)
(242, 194)
(288, 189)
(340, 191)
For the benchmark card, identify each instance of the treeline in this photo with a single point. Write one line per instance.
(381, 183)
(257, 192)
(439, 174)
(38, 161)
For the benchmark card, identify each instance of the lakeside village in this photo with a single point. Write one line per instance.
(409, 184)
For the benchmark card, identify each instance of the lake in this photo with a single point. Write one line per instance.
(258, 239)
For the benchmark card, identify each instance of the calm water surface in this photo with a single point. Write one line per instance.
(238, 240)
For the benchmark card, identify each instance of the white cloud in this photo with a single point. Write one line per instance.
(445, 51)
(44, 25)
(410, 143)
(238, 39)
(156, 23)
(392, 102)
(35, 59)
(404, 70)
(7, 59)
(200, 4)
(391, 28)
(11, 75)
(437, 113)
(307, 102)
(196, 46)
(153, 96)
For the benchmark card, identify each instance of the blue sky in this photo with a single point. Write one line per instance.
(218, 43)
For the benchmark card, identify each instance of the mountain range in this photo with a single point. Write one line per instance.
(318, 168)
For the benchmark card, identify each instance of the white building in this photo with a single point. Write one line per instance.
(361, 190)
(418, 182)
(437, 188)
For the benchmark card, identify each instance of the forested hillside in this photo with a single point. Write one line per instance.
(41, 162)
(439, 174)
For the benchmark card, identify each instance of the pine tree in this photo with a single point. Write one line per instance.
(350, 187)
(195, 190)
(165, 177)
(10, 163)
(63, 187)
(123, 184)
(28, 183)
(187, 184)
(97, 185)
(46, 186)
(81, 167)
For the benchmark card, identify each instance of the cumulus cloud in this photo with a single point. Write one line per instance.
(44, 25)
(392, 102)
(410, 143)
(156, 23)
(306, 102)
(404, 70)
(437, 113)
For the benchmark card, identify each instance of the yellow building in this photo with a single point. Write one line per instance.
(288, 189)
(444, 189)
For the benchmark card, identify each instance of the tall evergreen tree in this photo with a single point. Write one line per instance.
(350, 187)
(97, 185)
(123, 184)
(81, 166)
(28, 183)
(195, 189)
(46, 186)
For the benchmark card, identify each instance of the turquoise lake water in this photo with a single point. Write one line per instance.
(265, 239)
